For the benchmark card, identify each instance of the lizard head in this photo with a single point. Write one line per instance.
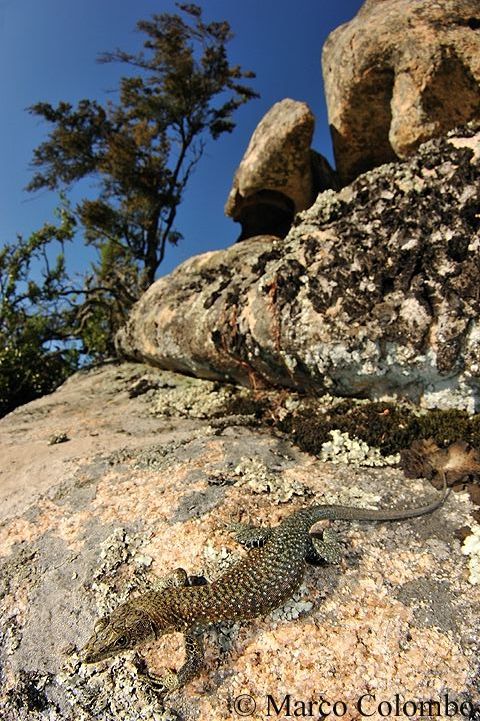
(124, 629)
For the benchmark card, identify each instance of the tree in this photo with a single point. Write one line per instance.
(50, 327)
(143, 149)
(37, 343)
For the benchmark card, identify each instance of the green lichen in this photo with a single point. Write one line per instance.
(254, 475)
(197, 398)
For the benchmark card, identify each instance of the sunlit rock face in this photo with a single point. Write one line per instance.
(398, 74)
(279, 174)
(146, 482)
(373, 293)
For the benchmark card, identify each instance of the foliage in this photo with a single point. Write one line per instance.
(36, 352)
(51, 327)
(141, 152)
(143, 149)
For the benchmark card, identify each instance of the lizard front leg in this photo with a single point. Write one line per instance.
(172, 680)
(175, 579)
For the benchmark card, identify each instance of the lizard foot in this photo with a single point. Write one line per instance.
(164, 684)
(175, 579)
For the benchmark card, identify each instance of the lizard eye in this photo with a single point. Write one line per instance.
(122, 642)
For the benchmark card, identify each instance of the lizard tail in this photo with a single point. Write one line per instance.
(349, 513)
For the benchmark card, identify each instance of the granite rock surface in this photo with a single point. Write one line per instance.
(398, 74)
(148, 475)
(373, 293)
(279, 174)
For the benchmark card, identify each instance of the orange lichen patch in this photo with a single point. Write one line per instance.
(214, 452)
(70, 528)
(51, 518)
(406, 566)
(238, 507)
(139, 497)
(398, 567)
(243, 505)
(312, 474)
(15, 531)
(168, 652)
(146, 494)
(430, 648)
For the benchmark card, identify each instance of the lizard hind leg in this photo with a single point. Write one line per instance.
(324, 550)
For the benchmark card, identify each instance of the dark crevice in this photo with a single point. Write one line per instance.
(473, 23)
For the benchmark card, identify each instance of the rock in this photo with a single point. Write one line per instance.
(398, 74)
(374, 292)
(279, 174)
(137, 491)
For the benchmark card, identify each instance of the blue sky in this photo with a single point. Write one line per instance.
(48, 51)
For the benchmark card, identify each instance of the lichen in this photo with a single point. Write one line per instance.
(197, 398)
(258, 478)
(295, 607)
(217, 560)
(471, 548)
(343, 449)
(192, 398)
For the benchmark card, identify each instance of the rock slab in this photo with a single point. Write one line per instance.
(136, 492)
(398, 74)
(279, 174)
(374, 292)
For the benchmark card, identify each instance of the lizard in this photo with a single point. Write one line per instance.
(263, 580)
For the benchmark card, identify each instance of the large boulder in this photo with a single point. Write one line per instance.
(399, 73)
(279, 175)
(148, 476)
(373, 294)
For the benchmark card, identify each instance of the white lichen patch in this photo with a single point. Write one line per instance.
(343, 449)
(223, 636)
(294, 608)
(471, 548)
(257, 477)
(217, 560)
(194, 398)
(115, 551)
(113, 692)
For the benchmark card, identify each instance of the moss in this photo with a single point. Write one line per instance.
(307, 431)
(448, 426)
(308, 421)
(386, 426)
(241, 405)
